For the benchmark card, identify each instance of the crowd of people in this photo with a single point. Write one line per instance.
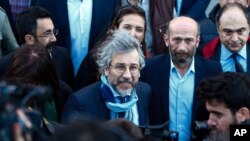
(112, 67)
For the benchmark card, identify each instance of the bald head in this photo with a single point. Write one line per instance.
(242, 2)
(182, 38)
(233, 11)
(183, 24)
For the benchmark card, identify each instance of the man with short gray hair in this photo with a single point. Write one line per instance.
(118, 94)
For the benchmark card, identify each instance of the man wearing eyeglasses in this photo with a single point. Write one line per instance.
(118, 94)
(35, 26)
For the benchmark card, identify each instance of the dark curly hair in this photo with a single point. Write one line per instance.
(229, 88)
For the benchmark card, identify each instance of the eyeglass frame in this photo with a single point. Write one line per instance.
(49, 34)
(137, 69)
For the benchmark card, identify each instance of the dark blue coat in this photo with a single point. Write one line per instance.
(156, 74)
(194, 8)
(88, 102)
(102, 15)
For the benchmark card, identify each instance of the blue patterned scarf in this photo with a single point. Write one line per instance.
(108, 95)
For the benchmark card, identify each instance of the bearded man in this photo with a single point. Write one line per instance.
(118, 94)
(220, 94)
(173, 78)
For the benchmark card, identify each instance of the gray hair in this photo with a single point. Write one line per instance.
(117, 42)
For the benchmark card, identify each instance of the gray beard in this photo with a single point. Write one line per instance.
(181, 63)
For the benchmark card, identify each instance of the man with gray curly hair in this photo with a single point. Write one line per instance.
(118, 94)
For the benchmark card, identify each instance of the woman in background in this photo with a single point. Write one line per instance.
(32, 65)
(130, 18)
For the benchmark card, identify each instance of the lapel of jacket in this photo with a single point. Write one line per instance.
(103, 111)
(95, 19)
(248, 60)
(63, 19)
(217, 53)
(200, 73)
(163, 77)
(140, 105)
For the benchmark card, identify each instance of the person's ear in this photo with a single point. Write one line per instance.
(106, 71)
(29, 39)
(166, 39)
(242, 114)
(197, 41)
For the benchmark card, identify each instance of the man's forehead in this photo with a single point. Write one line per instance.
(232, 15)
(183, 27)
(183, 33)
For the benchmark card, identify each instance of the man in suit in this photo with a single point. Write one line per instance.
(208, 25)
(173, 78)
(160, 12)
(118, 94)
(35, 26)
(231, 48)
(80, 24)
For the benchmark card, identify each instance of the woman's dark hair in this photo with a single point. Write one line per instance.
(127, 10)
(32, 65)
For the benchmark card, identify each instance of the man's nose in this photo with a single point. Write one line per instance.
(53, 38)
(211, 121)
(182, 45)
(235, 37)
(127, 73)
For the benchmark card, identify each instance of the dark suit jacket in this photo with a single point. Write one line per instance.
(89, 102)
(102, 13)
(213, 51)
(61, 98)
(156, 74)
(194, 8)
(60, 58)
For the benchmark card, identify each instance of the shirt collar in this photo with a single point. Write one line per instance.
(190, 69)
(226, 53)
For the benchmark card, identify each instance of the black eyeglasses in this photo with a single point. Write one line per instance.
(49, 34)
(121, 68)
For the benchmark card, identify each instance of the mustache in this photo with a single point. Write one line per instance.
(125, 81)
(235, 43)
(50, 45)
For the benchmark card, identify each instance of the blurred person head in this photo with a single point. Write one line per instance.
(227, 98)
(35, 26)
(89, 130)
(129, 127)
(131, 18)
(32, 65)
(233, 26)
(182, 38)
(120, 60)
(243, 2)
